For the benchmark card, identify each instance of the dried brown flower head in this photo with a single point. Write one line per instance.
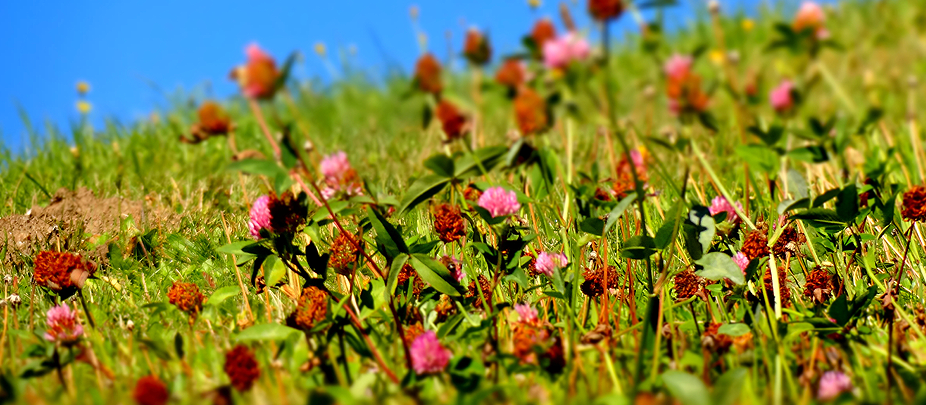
(687, 284)
(603, 10)
(186, 296)
(448, 223)
(511, 73)
(473, 291)
(242, 368)
(61, 270)
(408, 272)
(444, 309)
(914, 204)
(287, 213)
(476, 48)
(452, 122)
(789, 241)
(755, 245)
(594, 280)
(310, 310)
(819, 285)
(543, 31)
(471, 193)
(530, 111)
(782, 287)
(527, 339)
(213, 121)
(715, 342)
(149, 390)
(343, 253)
(427, 74)
(412, 332)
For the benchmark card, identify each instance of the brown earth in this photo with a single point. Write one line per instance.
(74, 217)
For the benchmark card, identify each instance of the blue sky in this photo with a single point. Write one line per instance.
(134, 52)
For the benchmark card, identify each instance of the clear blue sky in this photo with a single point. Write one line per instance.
(128, 49)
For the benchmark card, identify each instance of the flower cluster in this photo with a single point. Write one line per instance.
(559, 52)
(63, 326)
(340, 177)
(428, 355)
(531, 112)
(448, 223)
(476, 49)
(427, 75)
(186, 296)
(720, 204)
(684, 86)
(499, 202)
(546, 263)
(311, 309)
(810, 17)
(258, 77)
(61, 271)
(241, 367)
(150, 390)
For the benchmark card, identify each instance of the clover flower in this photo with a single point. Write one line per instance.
(149, 390)
(547, 263)
(63, 326)
(720, 204)
(428, 355)
(258, 77)
(260, 216)
(781, 97)
(526, 314)
(559, 52)
(339, 176)
(241, 367)
(833, 383)
(499, 202)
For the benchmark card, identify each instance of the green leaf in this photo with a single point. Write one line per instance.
(258, 166)
(759, 158)
(236, 248)
(222, 294)
(423, 188)
(686, 388)
(839, 310)
(638, 247)
(699, 231)
(847, 203)
(593, 225)
(386, 234)
(820, 218)
(718, 266)
(440, 164)
(488, 157)
(435, 274)
(728, 387)
(265, 332)
(276, 273)
(811, 154)
(618, 210)
(394, 270)
(734, 329)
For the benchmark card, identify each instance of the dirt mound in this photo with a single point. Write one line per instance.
(69, 219)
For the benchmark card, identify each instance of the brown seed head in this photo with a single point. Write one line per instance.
(149, 390)
(914, 204)
(543, 31)
(530, 111)
(715, 342)
(310, 310)
(452, 122)
(186, 296)
(343, 253)
(789, 241)
(427, 74)
(604, 10)
(476, 48)
(819, 285)
(511, 73)
(687, 285)
(61, 270)
(449, 223)
(286, 213)
(594, 280)
(755, 245)
(242, 368)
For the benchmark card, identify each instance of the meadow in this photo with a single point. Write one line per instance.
(729, 213)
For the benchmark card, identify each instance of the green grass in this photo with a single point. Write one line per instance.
(656, 345)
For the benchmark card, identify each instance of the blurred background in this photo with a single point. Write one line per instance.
(139, 57)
